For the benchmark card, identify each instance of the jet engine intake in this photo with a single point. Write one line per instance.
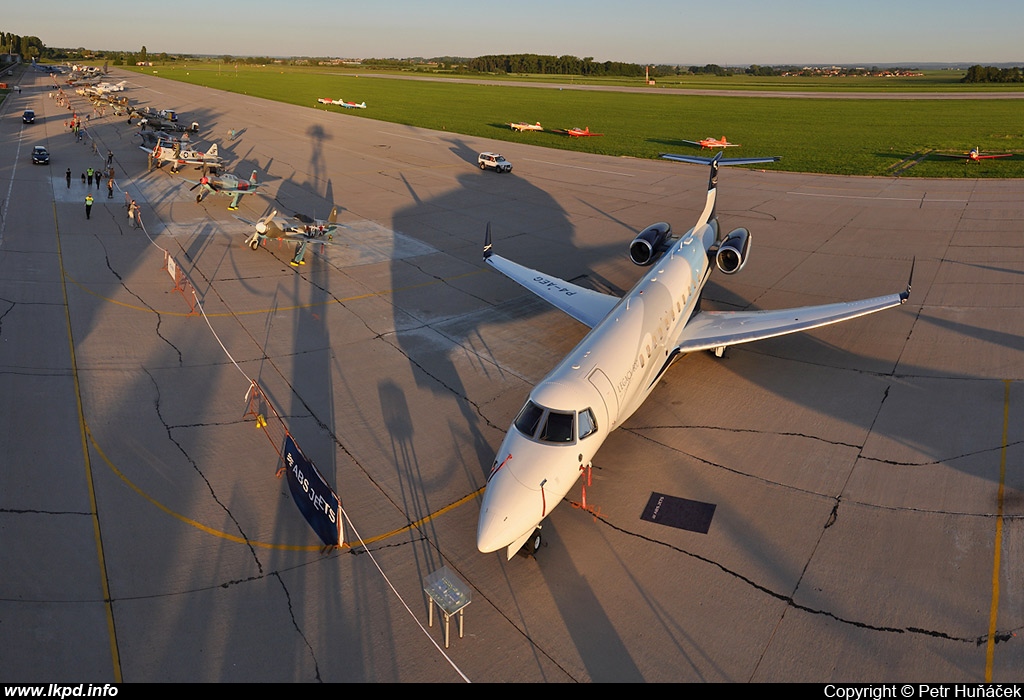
(732, 251)
(650, 244)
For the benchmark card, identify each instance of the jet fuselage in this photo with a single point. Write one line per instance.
(608, 375)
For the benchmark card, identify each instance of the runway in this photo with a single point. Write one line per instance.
(869, 500)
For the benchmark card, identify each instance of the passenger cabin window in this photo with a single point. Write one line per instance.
(588, 426)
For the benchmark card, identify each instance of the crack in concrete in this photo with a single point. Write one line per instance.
(791, 603)
(159, 317)
(195, 467)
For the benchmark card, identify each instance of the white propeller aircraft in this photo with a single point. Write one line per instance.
(632, 342)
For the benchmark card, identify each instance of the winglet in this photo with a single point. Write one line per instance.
(713, 180)
(487, 242)
(904, 295)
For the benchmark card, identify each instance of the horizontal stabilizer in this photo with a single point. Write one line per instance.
(697, 160)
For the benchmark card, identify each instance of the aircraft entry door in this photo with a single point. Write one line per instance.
(611, 404)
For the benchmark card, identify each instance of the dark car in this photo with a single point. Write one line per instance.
(40, 155)
(29, 117)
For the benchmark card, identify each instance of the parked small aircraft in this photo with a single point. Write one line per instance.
(227, 184)
(158, 123)
(523, 126)
(102, 88)
(710, 142)
(307, 231)
(632, 342)
(168, 150)
(975, 154)
(342, 103)
(577, 132)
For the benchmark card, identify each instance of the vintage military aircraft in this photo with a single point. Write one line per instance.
(158, 123)
(307, 230)
(523, 126)
(103, 88)
(342, 103)
(975, 154)
(710, 142)
(226, 184)
(632, 342)
(170, 150)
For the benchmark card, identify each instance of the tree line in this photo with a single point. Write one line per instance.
(991, 74)
(27, 47)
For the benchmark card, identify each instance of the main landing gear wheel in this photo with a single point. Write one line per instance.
(255, 245)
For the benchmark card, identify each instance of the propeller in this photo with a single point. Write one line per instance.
(262, 225)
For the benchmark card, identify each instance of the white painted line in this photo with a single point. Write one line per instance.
(881, 199)
(578, 167)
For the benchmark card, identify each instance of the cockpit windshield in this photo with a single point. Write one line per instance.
(548, 425)
(529, 418)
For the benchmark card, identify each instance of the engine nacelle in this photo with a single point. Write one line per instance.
(650, 244)
(732, 251)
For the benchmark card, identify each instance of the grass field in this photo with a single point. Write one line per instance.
(821, 135)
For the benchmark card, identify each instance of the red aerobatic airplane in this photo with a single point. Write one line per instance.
(975, 154)
(577, 132)
(711, 143)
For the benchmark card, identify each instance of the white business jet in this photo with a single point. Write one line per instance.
(632, 342)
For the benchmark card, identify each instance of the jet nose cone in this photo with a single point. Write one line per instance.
(500, 512)
(510, 509)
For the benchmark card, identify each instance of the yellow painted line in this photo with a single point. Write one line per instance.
(993, 614)
(295, 307)
(263, 545)
(83, 430)
(423, 520)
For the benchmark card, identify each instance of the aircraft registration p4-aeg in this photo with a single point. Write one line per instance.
(632, 342)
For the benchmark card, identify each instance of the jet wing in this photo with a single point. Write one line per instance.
(708, 330)
(585, 305)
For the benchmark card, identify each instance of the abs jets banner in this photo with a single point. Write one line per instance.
(316, 500)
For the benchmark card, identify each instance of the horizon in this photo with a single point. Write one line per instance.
(651, 32)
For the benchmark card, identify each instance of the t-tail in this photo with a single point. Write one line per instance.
(708, 214)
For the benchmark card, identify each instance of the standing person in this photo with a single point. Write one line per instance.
(67, 176)
(99, 175)
(88, 175)
(133, 211)
(110, 158)
(110, 188)
(88, 205)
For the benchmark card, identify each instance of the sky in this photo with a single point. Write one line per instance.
(724, 32)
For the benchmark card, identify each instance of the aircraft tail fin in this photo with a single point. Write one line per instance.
(252, 178)
(213, 151)
(333, 218)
